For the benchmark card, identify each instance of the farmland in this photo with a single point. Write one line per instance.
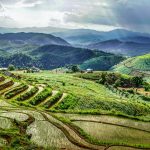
(50, 110)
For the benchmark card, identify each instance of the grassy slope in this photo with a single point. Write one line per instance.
(141, 63)
(88, 96)
(101, 63)
(138, 66)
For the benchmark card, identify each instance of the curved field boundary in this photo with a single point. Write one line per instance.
(70, 136)
(2, 92)
(119, 125)
(53, 100)
(60, 100)
(28, 94)
(6, 84)
(59, 125)
(135, 71)
(53, 94)
(78, 129)
(42, 96)
(16, 91)
(40, 89)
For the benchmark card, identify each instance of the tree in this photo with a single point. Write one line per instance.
(75, 68)
(137, 81)
(11, 67)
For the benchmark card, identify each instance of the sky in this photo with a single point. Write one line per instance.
(101, 15)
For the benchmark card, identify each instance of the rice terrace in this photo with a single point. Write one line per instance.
(65, 111)
(74, 75)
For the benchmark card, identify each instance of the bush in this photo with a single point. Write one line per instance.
(11, 67)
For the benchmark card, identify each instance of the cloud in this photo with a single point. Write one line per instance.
(6, 21)
(130, 14)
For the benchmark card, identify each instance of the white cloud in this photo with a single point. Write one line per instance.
(96, 14)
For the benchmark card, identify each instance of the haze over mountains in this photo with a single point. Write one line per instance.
(119, 41)
(78, 46)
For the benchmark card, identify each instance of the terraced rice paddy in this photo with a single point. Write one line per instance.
(28, 119)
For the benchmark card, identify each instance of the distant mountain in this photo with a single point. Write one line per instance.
(129, 47)
(139, 65)
(84, 37)
(47, 30)
(81, 37)
(27, 41)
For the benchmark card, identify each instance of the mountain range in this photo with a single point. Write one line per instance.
(87, 48)
(22, 42)
(47, 51)
(119, 41)
(124, 47)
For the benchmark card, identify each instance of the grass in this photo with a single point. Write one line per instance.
(139, 63)
(28, 94)
(84, 95)
(41, 96)
(113, 134)
(16, 91)
(46, 135)
(108, 119)
(53, 100)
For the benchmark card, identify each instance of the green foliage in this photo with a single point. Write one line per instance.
(41, 96)
(104, 62)
(27, 95)
(74, 68)
(68, 102)
(138, 66)
(16, 91)
(147, 86)
(53, 100)
(6, 85)
(115, 79)
(11, 67)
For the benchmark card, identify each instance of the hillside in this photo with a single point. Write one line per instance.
(135, 65)
(102, 62)
(50, 110)
(22, 42)
(55, 56)
(127, 48)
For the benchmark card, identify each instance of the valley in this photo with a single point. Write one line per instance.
(56, 95)
(49, 104)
